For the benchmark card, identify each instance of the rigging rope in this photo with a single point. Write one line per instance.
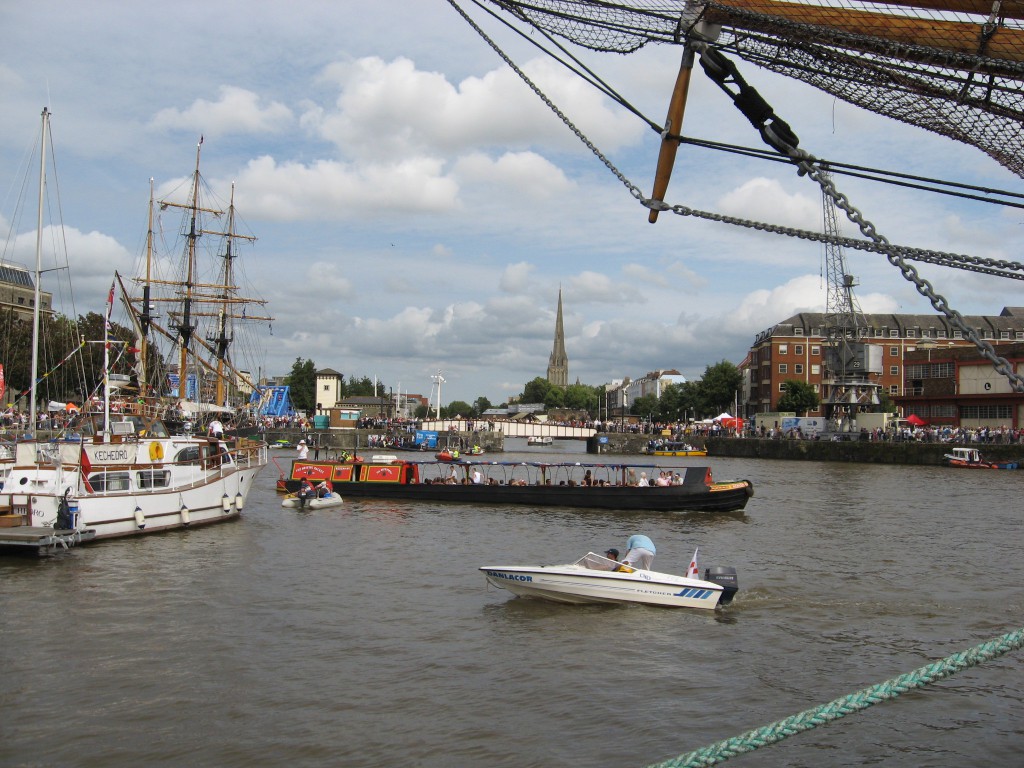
(778, 134)
(846, 705)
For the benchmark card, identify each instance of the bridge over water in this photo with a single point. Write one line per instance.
(510, 428)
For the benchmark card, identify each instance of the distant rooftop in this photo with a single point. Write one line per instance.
(10, 273)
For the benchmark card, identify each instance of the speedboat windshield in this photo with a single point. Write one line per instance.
(596, 562)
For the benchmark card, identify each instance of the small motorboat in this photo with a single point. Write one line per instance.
(972, 457)
(540, 440)
(597, 579)
(447, 455)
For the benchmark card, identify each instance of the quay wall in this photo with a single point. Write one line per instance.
(876, 452)
(628, 444)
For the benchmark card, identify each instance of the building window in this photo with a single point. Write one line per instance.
(798, 349)
(894, 370)
(782, 387)
(1002, 412)
(942, 333)
(798, 368)
(958, 334)
(783, 349)
(894, 351)
(894, 389)
(21, 299)
(798, 331)
(1004, 334)
(783, 368)
(327, 387)
(817, 387)
(911, 334)
(894, 333)
(815, 351)
(815, 370)
(1019, 335)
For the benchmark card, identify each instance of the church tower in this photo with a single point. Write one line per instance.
(558, 363)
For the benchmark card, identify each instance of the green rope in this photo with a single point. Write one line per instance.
(854, 702)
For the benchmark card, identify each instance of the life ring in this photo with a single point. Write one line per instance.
(156, 451)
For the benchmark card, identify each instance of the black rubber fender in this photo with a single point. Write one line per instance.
(750, 489)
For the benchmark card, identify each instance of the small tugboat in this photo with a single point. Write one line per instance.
(972, 457)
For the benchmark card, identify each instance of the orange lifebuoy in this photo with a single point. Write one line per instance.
(156, 451)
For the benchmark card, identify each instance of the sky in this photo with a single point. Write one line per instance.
(418, 209)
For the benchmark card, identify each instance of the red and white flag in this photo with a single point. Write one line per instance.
(3, 386)
(691, 572)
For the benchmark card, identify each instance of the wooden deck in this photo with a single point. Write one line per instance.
(26, 539)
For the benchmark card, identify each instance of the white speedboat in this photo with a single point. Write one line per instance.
(591, 579)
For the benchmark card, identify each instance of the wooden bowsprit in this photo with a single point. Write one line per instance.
(670, 136)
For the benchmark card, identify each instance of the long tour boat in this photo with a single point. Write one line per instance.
(595, 486)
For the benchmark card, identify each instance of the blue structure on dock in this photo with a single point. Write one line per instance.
(273, 401)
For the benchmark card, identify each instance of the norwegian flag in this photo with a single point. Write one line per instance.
(691, 572)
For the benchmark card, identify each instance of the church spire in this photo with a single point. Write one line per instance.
(558, 363)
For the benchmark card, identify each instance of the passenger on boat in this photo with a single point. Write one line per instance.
(324, 488)
(639, 552)
(478, 477)
(306, 491)
(303, 451)
(643, 481)
(588, 478)
(612, 555)
(216, 429)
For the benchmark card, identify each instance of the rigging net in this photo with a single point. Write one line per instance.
(953, 67)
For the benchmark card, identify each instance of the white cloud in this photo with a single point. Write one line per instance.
(236, 111)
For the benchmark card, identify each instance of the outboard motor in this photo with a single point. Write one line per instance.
(725, 576)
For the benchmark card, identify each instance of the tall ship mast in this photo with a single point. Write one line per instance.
(202, 306)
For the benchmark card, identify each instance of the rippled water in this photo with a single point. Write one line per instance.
(365, 635)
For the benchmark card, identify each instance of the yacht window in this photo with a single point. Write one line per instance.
(109, 481)
(153, 478)
(189, 455)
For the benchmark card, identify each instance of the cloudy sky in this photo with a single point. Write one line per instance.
(417, 208)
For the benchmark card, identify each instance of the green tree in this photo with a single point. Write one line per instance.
(536, 391)
(679, 402)
(718, 387)
(363, 387)
(581, 397)
(302, 381)
(798, 396)
(457, 408)
(644, 406)
(885, 403)
(555, 398)
(480, 405)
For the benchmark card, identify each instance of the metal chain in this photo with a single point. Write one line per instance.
(633, 189)
(785, 142)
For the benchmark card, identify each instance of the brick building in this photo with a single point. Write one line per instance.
(794, 349)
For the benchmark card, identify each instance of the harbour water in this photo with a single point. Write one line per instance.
(365, 635)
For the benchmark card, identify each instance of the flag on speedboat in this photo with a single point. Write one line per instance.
(691, 572)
